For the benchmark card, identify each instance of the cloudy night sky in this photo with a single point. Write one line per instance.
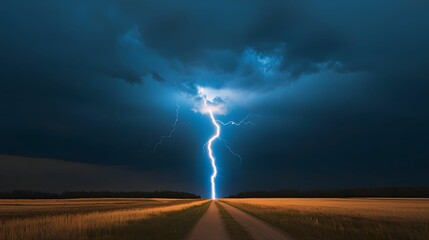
(337, 92)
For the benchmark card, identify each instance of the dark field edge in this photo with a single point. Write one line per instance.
(29, 194)
(381, 192)
(235, 230)
(166, 226)
(298, 224)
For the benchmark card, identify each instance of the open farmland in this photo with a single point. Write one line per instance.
(81, 218)
(350, 218)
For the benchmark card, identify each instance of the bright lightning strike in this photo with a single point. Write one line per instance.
(171, 131)
(210, 108)
(209, 148)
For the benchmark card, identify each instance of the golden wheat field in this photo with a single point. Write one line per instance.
(78, 218)
(348, 218)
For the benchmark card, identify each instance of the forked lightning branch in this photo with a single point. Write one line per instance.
(209, 108)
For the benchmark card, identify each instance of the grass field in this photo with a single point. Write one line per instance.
(235, 230)
(164, 226)
(83, 218)
(13, 208)
(353, 218)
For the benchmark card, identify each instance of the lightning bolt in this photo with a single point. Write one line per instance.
(244, 121)
(230, 150)
(209, 143)
(209, 148)
(217, 125)
(171, 131)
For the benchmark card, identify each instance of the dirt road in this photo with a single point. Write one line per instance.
(258, 229)
(210, 226)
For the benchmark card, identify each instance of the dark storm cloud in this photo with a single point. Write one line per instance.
(194, 40)
(69, 39)
(93, 82)
(56, 175)
(233, 38)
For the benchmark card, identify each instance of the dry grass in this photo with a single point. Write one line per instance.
(166, 226)
(13, 208)
(78, 225)
(235, 230)
(353, 218)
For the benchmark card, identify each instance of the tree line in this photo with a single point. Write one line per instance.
(406, 192)
(29, 194)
